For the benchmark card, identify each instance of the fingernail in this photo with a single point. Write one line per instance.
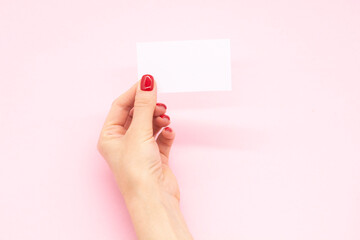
(162, 105)
(168, 129)
(147, 82)
(165, 116)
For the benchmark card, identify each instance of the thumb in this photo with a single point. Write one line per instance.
(144, 106)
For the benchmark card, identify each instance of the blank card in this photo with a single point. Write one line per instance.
(186, 66)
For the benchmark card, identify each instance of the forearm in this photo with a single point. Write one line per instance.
(156, 215)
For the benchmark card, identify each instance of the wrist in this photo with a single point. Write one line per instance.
(135, 188)
(156, 213)
(150, 195)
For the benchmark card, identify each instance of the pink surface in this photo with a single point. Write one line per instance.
(277, 158)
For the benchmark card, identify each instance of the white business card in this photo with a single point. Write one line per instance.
(186, 66)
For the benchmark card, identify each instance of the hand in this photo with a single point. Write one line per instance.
(139, 160)
(129, 145)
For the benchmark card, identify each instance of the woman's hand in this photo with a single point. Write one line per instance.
(139, 161)
(128, 143)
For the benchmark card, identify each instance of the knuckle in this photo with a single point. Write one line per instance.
(99, 146)
(119, 103)
(115, 102)
(144, 101)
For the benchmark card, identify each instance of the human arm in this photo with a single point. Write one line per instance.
(136, 146)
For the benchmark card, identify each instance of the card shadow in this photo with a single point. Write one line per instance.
(218, 136)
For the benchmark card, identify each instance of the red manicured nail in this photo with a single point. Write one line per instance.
(147, 82)
(165, 116)
(168, 129)
(162, 105)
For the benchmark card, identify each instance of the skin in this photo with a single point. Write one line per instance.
(136, 146)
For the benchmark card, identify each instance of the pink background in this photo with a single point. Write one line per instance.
(276, 158)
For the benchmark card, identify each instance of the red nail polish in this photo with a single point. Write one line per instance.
(168, 129)
(147, 82)
(165, 116)
(162, 105)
